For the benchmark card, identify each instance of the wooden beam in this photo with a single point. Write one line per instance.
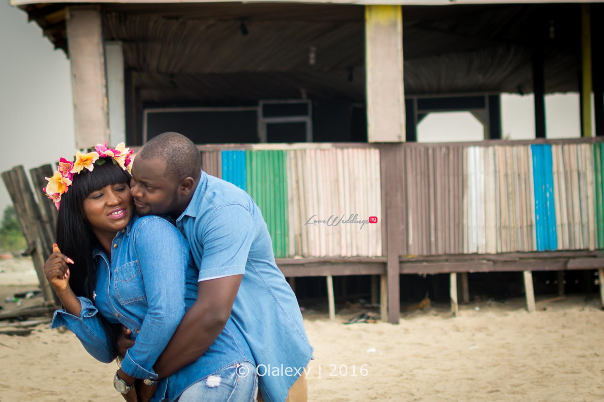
(453, 293)
(115, 91)
(384, 73)
(586, 72)
(331, 300)
(530, 293)
(88, 81)
(384, 297)
(292, 283)
(392, 164)
(31, 223)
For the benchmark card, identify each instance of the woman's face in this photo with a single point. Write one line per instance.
(109, 209)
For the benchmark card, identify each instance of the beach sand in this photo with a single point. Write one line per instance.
(498, 353)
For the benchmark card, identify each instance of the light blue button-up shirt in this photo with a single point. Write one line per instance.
(147, 287)
(228, 236)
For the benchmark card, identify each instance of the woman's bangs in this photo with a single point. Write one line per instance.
(102, 176)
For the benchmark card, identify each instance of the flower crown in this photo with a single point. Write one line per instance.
(59, 183)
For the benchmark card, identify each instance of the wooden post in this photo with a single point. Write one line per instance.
(601, 281)
(48, 211)
(463, 287)
(560, 283)
(392, 169)
(332, 302)
(375, 289)
(384, 297)
(292, 283)
(539, 92)
(453, 291)
(384, 69)
(28, 213)
(88, 81)
(528, 289)
(586, 73)
(597, 63)
(115, 91)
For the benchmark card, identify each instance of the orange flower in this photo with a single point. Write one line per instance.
(84, 161)
(57, 184)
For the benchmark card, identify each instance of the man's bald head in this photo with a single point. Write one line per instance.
(181, 155)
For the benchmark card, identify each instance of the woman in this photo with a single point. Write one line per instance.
(136, 272)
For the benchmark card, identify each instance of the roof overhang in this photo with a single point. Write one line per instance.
(358, 2)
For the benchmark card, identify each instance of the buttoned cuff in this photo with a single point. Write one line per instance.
(63, 318)
(135, 370)
(222, 272)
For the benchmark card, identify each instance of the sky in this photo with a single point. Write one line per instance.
(36, 111)
(36, 118)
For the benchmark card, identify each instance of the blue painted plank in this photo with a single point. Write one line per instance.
(234, 168)
(536, 150)
(551, 237)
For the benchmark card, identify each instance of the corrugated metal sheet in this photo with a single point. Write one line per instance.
(341, 185)
(234, 168)
(266, 182)
(211, 163)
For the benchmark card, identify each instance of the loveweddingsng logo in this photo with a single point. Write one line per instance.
(334, 221)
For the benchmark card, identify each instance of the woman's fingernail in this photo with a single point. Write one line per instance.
(69, 260)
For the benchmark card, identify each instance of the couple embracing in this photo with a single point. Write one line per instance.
(171, 272)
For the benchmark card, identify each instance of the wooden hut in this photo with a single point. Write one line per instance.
(312, 107)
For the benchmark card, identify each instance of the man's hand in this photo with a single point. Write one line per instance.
(124, 342)
(144, 392)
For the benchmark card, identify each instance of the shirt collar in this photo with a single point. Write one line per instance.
(193, 206)
(97, 251)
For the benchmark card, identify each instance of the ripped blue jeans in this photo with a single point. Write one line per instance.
(238, 383)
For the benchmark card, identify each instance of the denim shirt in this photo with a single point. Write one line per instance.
(228, 236)
(147, 287)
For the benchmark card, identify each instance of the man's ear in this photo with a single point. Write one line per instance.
(186, 185)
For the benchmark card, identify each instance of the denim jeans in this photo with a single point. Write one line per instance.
(237, 383)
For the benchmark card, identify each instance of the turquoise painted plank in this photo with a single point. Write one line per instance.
(234, 168)
(545, 214)
(551, 236)
(538, 188)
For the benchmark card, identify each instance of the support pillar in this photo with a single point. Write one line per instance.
(392, 168)
(597, 62)
(115, 90)
(453, 293)
(384, 297)
(539, 92)
(384, 67)
(530, 293)
(330, 296)
(88, 80)
(586, 73)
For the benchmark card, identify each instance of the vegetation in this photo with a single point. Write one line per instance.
(11, 236)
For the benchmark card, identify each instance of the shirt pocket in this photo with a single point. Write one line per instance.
(129, 283)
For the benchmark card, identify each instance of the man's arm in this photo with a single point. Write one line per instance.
(200, 326)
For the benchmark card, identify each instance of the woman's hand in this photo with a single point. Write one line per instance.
(57, 271)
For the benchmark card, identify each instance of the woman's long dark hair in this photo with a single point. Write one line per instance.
(74, 234)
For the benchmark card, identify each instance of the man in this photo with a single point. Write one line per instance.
(238, 276)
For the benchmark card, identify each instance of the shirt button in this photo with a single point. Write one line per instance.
(138, 331)
(115, 245)
(117, 315)
(123, 230)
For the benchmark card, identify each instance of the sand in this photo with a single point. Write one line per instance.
(498, 353)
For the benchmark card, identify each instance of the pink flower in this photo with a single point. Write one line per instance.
(65, 167)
